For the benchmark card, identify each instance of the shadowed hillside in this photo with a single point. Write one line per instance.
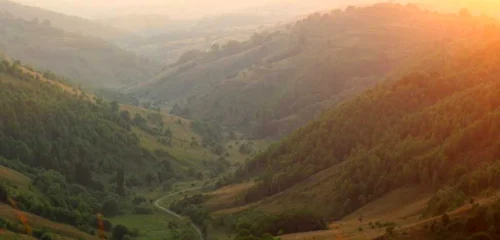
(434, 129)
(275, 82)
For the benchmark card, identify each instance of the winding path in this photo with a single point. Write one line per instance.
(164, 209)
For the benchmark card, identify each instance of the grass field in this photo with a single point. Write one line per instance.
(15, 178)
(153, 226)
(182, 135)
(156, 226)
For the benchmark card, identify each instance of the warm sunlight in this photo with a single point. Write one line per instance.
(489, 7)
(250, 120)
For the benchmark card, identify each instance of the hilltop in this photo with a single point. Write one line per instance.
(67, 23)
(277, 81)
(434, 129)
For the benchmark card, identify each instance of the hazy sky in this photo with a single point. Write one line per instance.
(100, 8)
(198, 8)
(175, 8)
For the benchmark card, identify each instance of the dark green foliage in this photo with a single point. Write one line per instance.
(120, 182)
(114, 106)
(45, 127)
(147, 209)
(119, 232)
(138, 120)
(261, 226)
(191, 207)
(211, 133)
(246, 148)
(61, 140)
(4, 194)
(110, 207)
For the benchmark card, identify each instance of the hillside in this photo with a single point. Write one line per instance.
(67, 156)
(67, 23)
(278, 81)
(85, 60)
(477, 7)
(166, 40)
(435, 128)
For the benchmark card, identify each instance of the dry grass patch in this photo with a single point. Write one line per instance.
(225, 199)
(13, 177)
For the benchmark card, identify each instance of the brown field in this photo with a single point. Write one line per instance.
(34, 221)
(403, 207)
(223, 200)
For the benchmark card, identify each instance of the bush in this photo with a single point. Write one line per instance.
(4, 194)
(143, 210)
(119, 232)
(110, 207)
(46, 236)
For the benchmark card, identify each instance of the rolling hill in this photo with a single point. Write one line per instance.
(87, 61)
(67, 23)
(278, 81)
(434, 129)
(66, 156)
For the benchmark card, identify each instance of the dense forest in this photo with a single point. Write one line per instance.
(434, 128)
(277, 81)
(77, 149)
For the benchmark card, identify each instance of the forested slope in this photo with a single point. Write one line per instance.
(434, 128)
(77, 149)
(276, 82)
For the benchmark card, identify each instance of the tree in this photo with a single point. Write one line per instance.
(138, 119)
(120, 182)
(110, 207)
(114, 106)
(119, 232)
(125, 115)
(4, 195)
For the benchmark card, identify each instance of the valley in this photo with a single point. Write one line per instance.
(378, 121)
